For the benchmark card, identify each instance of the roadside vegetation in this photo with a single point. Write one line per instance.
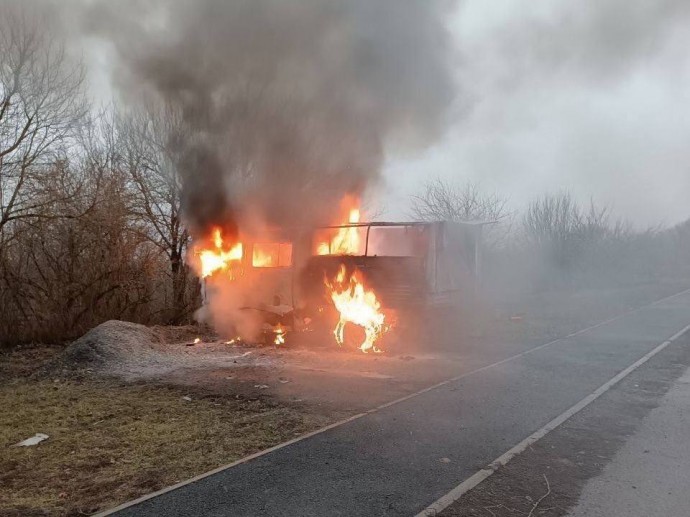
(110, 442)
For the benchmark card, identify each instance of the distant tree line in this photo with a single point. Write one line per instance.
(557, 242)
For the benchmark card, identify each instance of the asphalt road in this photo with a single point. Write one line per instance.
(399, 459)
(643, 478)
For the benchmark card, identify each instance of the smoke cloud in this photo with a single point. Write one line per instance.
(593, 41)
(287, 105)
(586, 96)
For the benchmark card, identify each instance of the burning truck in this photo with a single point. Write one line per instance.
(267, 112)
(357, 280)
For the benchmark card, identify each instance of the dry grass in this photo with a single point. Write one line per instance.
(111, 442)
(23, 360)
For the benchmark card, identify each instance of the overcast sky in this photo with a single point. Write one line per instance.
(590, 96)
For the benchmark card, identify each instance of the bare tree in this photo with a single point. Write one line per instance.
(560, 219)
(149, 141)
(445, 201)
(552, 219)
(565, 238)
(41, 108)
(442, 200)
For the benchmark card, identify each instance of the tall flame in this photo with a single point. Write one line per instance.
(346, 241)
(217, 257)
(357, 305)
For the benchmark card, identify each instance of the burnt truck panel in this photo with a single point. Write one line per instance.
(456, 254)
(406, 264)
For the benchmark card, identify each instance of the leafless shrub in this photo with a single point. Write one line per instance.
(445, 201)
(568, 242)
(61, 275)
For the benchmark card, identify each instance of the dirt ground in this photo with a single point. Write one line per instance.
(193, 408)
(110, 442)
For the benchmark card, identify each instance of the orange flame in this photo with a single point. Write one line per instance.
(279, 338)
(272, 254)
(262, 259)
(357, 305)
(346, 241)
(218, 258)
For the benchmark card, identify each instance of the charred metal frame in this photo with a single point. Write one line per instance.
(368, 226)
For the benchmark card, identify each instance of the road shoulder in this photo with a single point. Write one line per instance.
(549, 478)
(649, 474)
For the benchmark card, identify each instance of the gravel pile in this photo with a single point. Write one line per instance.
(132, 351)
(112, 347)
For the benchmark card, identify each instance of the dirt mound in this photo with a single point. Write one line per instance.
(111, 347)
(131, 352)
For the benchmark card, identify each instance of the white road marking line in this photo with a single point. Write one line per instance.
(444, 502)
(374, 410)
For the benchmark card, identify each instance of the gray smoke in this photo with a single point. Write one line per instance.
(287, 105)
(596, 40)
(588, 96)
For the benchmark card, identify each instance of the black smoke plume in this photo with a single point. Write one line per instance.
(288, 104)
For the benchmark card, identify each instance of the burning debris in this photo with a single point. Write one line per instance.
(353, 302)
(279, 335)
(356, 305)
(196, 341)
